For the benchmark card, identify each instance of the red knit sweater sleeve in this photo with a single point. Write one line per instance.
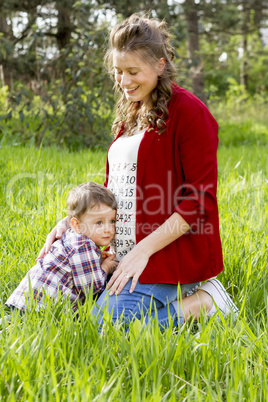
(198, 157)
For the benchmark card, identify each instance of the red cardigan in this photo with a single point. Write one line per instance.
(177, 171)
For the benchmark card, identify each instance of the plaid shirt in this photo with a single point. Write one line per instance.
(71, 268)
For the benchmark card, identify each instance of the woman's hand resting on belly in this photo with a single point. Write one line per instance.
(130, 267)
(134, 263)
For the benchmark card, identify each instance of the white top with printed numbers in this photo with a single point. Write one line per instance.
(122, 158)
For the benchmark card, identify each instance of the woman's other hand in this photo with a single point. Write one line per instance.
(108, 263)
(131, 266)
(55, 234)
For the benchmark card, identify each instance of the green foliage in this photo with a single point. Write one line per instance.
(236, 93)
(73, 115)
(71, 101)
(4, 99)
(242, 117)
(246, 133)
(219, 73)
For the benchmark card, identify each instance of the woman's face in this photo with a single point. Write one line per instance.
(136, 77)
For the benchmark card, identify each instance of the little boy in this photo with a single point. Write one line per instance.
(74, 263)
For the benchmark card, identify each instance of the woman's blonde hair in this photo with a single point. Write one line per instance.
(150, 39)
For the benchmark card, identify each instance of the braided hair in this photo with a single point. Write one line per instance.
(150, 40)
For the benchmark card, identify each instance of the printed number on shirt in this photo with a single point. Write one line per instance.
(123, 217)
(123, 230)
(125, 205)
(129, 243)
(128, 179)
(124, 252)
(122, 192)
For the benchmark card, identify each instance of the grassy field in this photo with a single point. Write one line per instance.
(51, 357)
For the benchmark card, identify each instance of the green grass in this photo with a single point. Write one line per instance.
(51, 357)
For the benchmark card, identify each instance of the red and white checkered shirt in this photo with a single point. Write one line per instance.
(71, 268)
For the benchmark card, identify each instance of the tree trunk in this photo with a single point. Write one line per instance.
(191, 14)
(64, 26)
(244, 62)
(64, 31)
(7, 73)
(244, 59)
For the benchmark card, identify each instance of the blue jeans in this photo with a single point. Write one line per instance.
(145, 300)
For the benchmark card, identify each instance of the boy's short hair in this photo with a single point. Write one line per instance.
(88, 195)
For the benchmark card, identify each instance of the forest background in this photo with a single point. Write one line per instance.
(54, 89)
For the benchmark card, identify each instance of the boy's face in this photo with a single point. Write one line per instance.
(98, 224)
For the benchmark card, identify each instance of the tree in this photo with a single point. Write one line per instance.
(226, 19)
(59, 52)
(6, 52)
(196, 67)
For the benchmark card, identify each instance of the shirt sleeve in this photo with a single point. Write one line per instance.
(86, 269)
(198, 155)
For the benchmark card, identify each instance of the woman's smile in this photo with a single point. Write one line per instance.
(131, 90)
(136, 78)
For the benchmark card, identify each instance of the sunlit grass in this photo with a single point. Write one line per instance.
(52, 356)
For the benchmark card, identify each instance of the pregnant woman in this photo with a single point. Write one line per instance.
(162, 168)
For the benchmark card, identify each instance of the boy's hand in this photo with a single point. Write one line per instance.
(109, 264)
(105, 254)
